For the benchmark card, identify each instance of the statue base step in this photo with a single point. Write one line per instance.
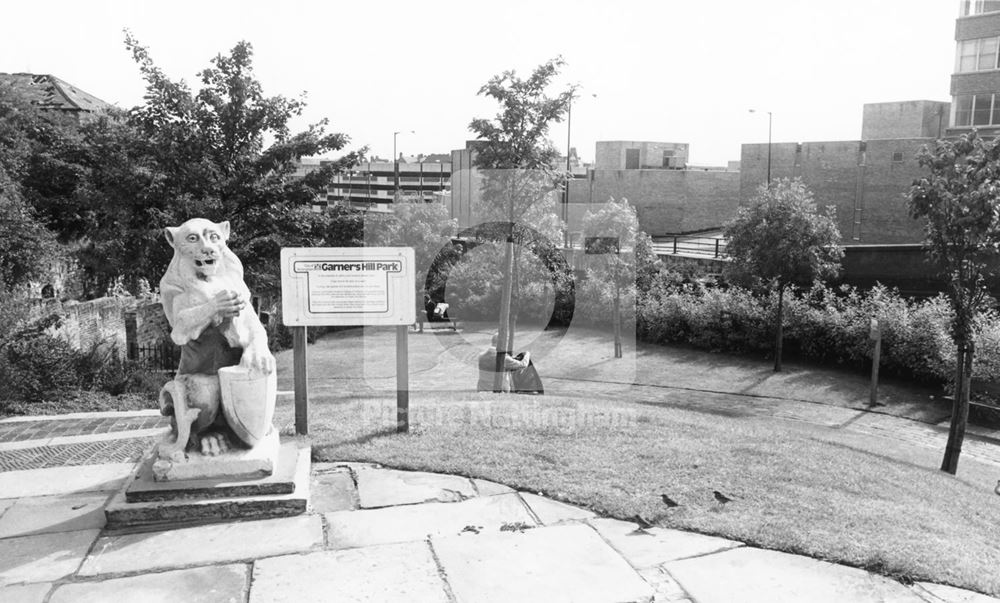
(259, 461)
(144, 503)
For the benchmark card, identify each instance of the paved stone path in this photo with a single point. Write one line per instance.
(74, 440)
(381, 535)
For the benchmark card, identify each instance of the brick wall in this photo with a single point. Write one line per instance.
(95, 322)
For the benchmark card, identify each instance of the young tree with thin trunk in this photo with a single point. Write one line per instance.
(960, 200)
(516, 159)
(779, 240)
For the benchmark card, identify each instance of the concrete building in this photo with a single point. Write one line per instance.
(667, 200)
(640, 155)
(372, 184)
(50, 93)
(865, 180)
(975, 84)
(905, 119)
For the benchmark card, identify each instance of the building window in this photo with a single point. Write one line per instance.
(668, 158)
(977, 110)
(982, 109)
(897, 157)
(631, 159)
(977, 55)
(978, 7)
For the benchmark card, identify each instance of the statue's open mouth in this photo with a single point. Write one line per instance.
(200, 263)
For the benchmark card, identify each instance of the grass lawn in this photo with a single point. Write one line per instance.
(834, 494)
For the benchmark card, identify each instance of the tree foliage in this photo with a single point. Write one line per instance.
(517, 138)
(781, 239)
(225, 151)
(427, 228)
(960, 200)
(28, 249)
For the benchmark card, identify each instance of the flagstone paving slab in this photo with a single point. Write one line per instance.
(950, 594)
(351, 529)
(43, 557)
(59, 513)
(775, 577)
(61, 480)
(566, 563)
(551, 511)
(393, 572)
(388, 487)
(219, 543)
(215, 584)
(655, 546)
(665, 588)
(487, 488)
(25, 593)
(333, 490)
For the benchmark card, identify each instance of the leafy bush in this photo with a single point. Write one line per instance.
(34, 366)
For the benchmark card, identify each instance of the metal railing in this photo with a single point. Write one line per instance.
(164, 356)
(707, 246)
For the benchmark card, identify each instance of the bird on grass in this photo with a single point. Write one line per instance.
(997, 489)
(720, 497)
(671, 503)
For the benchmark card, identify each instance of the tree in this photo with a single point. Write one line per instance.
(28, 250)
(517, 156)
(960, 200)
(609, 231)
(225, 152)
(780, 240)
(426, 228)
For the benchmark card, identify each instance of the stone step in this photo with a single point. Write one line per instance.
(145, 488)
(232, 501)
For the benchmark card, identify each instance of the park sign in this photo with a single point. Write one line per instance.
(347, 286)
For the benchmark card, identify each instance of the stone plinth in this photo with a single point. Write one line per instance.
(147, 503)
(259, 461)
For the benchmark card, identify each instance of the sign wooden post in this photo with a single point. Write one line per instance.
(402, 380)
(301, 374)
(875, 335)
(348, 286)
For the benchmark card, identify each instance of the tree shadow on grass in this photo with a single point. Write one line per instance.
(982, 478)
(730, 412)
(363, 439)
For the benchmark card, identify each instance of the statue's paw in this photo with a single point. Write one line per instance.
(214, 444)
(258, 360)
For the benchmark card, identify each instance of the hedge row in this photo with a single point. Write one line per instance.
(822, 323)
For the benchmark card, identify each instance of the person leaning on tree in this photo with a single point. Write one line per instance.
(488, 364)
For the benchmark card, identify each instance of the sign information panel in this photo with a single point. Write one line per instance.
(347, 286)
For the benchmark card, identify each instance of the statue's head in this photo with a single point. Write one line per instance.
(200, 247)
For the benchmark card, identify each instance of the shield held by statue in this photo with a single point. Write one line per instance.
(248, 402)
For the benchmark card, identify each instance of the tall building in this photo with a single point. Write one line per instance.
(975, 84)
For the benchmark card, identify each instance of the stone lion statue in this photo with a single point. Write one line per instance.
(207, 304)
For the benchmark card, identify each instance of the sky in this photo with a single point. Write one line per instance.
(654, 70)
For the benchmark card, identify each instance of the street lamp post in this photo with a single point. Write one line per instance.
(395, 166)
(769, 116)
(569, 129)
